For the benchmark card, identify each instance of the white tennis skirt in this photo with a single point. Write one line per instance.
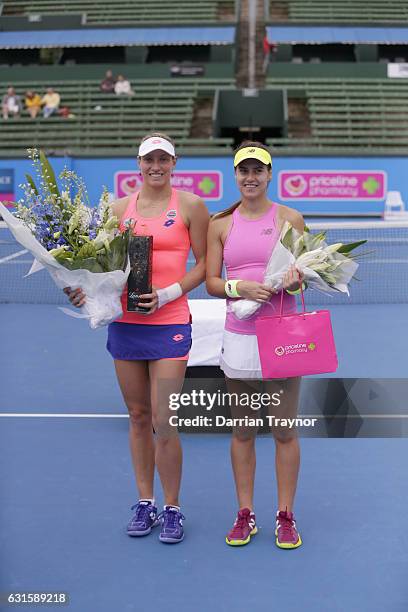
(240, 356)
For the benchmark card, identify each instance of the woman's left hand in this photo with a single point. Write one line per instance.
(152, 304)
(292, 279)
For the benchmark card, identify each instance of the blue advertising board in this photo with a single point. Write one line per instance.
(336, 186)
(7, 184)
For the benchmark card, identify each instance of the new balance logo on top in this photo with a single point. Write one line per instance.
(267, 231)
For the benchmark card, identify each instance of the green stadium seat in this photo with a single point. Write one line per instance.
(129, 12)
(158, 105)
(346, 113)
(338, 11)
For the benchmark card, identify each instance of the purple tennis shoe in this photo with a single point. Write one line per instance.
(144, 518)
(171, 525)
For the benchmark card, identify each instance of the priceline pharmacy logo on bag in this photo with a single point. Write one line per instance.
(289, 349)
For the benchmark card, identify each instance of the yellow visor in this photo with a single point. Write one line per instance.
(252, 153)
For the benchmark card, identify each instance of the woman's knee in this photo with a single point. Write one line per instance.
(284, 436)
(163, 428)
(140, 415)
(245, 434)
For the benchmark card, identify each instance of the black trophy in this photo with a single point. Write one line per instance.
(140, 276)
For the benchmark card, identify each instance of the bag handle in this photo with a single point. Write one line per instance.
(303, 301)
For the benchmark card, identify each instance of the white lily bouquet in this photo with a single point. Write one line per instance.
(80, 246)
(327, 268)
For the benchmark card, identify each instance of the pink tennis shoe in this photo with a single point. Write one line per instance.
(287, 535)
(243, 528)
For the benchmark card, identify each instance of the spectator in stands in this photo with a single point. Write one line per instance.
(123, 87)
(108, 83)
(268, 49)
(11, 104)
(51, 102)
(33, 103)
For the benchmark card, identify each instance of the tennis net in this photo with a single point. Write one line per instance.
(382, 275)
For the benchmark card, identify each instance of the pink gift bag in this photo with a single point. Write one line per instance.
(296, 344)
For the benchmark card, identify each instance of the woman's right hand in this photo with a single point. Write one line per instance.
(76, 296)
(251, 290)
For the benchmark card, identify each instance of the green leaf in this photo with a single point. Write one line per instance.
(86, 250)
(287, 239)
(347, 248)
(63, 257)
(90, 263)
(115, 258)
(30, 181)
(49, 175)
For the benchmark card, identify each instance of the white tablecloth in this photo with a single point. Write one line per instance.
(208, 326)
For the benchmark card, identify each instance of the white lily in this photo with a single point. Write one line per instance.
(322, 266)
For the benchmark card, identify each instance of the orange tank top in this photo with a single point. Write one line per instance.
(171, 246)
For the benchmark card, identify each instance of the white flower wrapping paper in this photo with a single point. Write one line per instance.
(103, 290)
(280, 262)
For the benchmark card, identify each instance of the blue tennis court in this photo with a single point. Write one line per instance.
(67, 482)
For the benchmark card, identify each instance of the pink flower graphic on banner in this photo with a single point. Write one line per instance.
(295, 185)
(130, 184)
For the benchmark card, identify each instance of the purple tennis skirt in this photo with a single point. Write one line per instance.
(131, 341)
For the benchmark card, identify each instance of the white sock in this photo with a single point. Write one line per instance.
(146, 499)
(171, 506)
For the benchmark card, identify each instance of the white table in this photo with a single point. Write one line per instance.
(208, 326)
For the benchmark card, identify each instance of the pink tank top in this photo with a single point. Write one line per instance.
(171, 245)
(247, 251)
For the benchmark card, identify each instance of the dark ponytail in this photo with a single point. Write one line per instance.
(226, 212)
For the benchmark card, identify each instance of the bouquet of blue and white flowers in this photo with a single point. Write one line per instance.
(80, 246)
(326, 268)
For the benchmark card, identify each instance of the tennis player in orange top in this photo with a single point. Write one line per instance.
(150, 350)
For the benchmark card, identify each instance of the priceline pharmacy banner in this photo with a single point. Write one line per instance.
(329, 185)
(316, 186)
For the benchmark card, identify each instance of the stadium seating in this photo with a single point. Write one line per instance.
(129, 12)
(109, 124)
(339, 11)
(355, 114)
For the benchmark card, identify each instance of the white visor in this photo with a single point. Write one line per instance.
(156, 143)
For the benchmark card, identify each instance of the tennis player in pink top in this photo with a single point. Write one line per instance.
(242, 238)
(150, 350)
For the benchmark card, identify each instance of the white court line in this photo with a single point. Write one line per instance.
(126, 416)
(13, 256)
(321, 225)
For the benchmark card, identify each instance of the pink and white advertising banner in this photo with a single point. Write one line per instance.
(207, 185)
(345, 185)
